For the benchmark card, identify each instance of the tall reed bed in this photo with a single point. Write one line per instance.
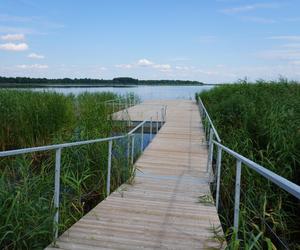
(27, 181)
(260, 121)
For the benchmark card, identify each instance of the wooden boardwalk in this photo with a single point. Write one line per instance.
(161, 209)
(142, 111)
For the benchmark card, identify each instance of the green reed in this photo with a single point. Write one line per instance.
(260, 121)
(27, 181)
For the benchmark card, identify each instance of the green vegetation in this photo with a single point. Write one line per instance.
(260, 121)
(67, 82)
(27, 181)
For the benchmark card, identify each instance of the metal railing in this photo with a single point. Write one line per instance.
(58, 151)
(281, 182)
(121, 103)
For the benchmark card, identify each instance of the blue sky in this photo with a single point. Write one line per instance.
(207, 40)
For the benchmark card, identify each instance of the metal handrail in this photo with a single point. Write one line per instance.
(137, 127)
(119, 102)
(281, 182)
(56, 146)
(59, 147)
(209, 120)
(285, 184)
(118, 99)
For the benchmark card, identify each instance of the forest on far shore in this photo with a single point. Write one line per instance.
(27, 81)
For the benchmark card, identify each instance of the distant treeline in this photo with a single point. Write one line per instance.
(27, 81)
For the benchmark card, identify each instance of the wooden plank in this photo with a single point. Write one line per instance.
(161, 208)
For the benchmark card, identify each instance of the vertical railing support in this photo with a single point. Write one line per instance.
(237, 195)
(210, 170)
(128, 149)
(108, 168)
(156, 122)
(219, 160)
(132, 150)
(56, 191)
(142, 139)
(210, 150)
(165, 116)
(205, 129)
(162, 116)
(200, 110)
(151, 129)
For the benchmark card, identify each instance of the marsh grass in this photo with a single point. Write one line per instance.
(260, 121)
(27, 181)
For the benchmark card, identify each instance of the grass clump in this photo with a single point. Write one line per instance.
(27, 181)
(260, 121)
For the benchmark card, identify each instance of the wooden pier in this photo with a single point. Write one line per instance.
(168, 205)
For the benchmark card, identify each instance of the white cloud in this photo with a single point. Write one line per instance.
(16, 30)
(224, 73)
(162, 67)
(33, 66)
(183, 68)
(144, 62)
(14, 46)
(101, 68)
(288, 51)
(13, 37)
(295, 63)
(124, 66)
(36, 56)
(249, 7)
(280, 54)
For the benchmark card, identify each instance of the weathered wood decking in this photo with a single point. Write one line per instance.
(161, 208)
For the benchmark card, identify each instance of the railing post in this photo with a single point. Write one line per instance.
(108, 168)
(237, 195)
(210, 170)
(128, 148)
(210, 150)
(200, 110)
(142, 139)
(205, 129)
(162, 115)
(151, 128)
(57, 191)
(132, 149)
(219, 160)
(156, 122)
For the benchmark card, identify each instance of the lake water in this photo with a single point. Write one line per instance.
(144, 92)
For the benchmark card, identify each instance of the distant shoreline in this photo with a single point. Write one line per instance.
(15, 85)
(28, 82)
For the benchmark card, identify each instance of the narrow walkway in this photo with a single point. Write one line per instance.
(162, 208)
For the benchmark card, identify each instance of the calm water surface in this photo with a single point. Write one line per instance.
(144, 92)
